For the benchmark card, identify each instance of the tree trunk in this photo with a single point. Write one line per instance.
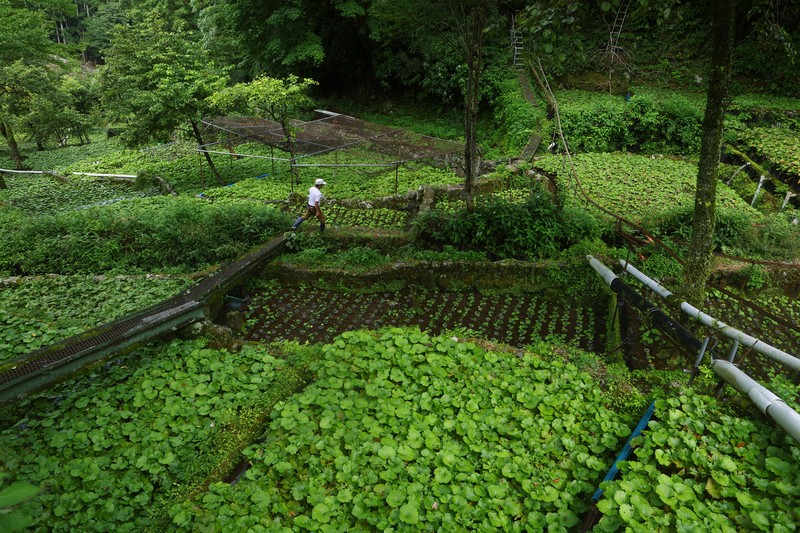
(3, 183)
(8, 133)
(473, 41)
(199, 138)
(699, 261)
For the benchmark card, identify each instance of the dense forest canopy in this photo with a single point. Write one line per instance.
(368, 44)
(159, 60)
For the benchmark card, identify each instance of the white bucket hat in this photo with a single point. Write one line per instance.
(320, 181)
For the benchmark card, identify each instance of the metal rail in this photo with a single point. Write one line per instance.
(51, 364)
(741, 337)
(764, 399)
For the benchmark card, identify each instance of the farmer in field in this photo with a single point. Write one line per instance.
(313, 209)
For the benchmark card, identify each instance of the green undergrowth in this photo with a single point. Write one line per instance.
(379, 217)
(515, 117)
(109, 450)
(421, 118)
(696, 468)
(777, 146)
(532, 229)
(144, 235)
(313, 250)
(59, 158)
(737, 232)
(343, 183)
(658, 121)
(650, 122)
(36, 312)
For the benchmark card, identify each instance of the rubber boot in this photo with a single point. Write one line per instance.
(297, 223)
(322, 226)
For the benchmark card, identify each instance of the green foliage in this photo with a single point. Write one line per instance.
(534, 229)
(157, 78)
(778, 146)
(515, 118)
(379, 217)
(652, 122)
(10, 496)
(419, 117)
(344, 183)
(40, 311)
(449, 253)
(111, 446)
(417, 432)
(357, 259)
(149, 234)
(281, 100)
(737, 232)
(696, 467)
(23, 33)
(43, 195)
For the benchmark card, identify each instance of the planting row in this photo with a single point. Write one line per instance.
(313, 315)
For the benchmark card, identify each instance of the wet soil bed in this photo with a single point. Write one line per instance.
(318, 316)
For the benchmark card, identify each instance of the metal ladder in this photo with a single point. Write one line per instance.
(616, 29)
(517, 46)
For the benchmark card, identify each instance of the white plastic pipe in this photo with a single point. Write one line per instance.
(605, 272)
(103, 175)
(21, 171)
(743, 338)
(737, 171)
(761, 180)
(766, 401)
(789, 196)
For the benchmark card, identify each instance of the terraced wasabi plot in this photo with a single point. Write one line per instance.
(632, 186)
(518, 320)
(41, 311)
(403, 431)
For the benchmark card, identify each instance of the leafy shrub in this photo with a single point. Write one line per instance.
(533, 229)
(737, 232)
(733, 228)
(145, 235)
(651, 122)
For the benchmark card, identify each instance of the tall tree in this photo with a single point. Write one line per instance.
(156, 79)
(24, 46)
(699, 260)
(281, 100)
(462, 27)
